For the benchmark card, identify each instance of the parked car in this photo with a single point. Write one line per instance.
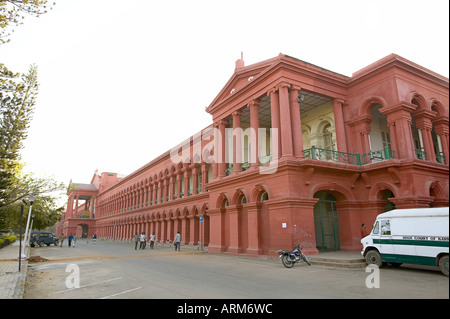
(43, 238)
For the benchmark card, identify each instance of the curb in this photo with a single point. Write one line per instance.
(342, 263)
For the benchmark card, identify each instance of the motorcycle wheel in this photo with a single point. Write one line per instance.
(306, 259)
(286, 262)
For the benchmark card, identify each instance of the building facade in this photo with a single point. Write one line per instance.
(294, 153)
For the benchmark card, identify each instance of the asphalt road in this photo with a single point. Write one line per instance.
(112, 270)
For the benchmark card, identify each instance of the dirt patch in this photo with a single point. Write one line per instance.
(37, 259)
(36, 283)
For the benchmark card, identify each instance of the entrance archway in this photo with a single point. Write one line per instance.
(326, 222)
(385, 195)
(82, 230)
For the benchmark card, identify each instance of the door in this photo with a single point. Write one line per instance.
(326, 225)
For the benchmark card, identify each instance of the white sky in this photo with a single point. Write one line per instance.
(121, 82)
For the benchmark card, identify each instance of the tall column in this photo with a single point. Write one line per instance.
(216, 228)
(173, 191)
(193, 230)
(237, 144)
(339, 125)
(166, 189)
(70, 207)
(194, 170)
(254, 136)
(235, 233)
(155, 192)
(179, 180)
(253, 228)
(186, 180)
(442, 130)
(160, 190)
(74, 215)
(216, 143)
(275, 119)
(220, 156)
(204, 176)
(424, 124)
(296, 121)
(399, 121)
(285, 121)
(361, 128)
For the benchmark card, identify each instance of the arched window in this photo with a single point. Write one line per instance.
(264, 197)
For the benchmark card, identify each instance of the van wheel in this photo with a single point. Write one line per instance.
(373, 257)
(443, 265)
(41, 244)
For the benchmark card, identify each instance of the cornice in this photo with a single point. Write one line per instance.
(396, 61)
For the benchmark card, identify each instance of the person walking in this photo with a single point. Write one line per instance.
(152, 240)
(177, 241)
(94, 238)
(70, 238)
(364, 231)
(136, 240)
(74, 240)
(61, 240)
(143, 240)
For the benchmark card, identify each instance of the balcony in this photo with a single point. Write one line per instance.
(440, 158)
(348, 158)
(422, 155)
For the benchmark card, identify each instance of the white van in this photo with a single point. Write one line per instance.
(412, 236)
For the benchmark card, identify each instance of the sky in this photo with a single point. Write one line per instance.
(121, 82)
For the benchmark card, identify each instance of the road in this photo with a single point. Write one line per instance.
(112, 270)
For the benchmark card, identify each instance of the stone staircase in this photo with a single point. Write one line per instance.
(341, 259)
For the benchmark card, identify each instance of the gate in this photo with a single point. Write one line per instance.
(326, 225)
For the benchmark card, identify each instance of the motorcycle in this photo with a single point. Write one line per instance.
(289, 258)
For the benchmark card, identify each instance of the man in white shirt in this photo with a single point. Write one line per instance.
(142, 239)
(152, 240)
(177, 241)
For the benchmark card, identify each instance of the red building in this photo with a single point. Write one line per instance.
(295, 153)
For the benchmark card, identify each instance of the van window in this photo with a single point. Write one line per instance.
(385, 227)
(376, 228)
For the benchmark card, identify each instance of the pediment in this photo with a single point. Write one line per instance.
(241, 78)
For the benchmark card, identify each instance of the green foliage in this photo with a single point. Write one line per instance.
(12, 13)
(17, 99)
(45, 208)
(18, 95)
(5, 241)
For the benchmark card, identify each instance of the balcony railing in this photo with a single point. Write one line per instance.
(440, 158)
(357, 159)
(422, 155)
(348, 158)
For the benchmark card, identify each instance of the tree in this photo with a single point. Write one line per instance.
(17, 100)
(12, 12)
(45, 207)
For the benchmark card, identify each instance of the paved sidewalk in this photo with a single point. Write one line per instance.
(11, 281)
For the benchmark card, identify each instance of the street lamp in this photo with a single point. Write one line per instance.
(20, 231)
(23, 256)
